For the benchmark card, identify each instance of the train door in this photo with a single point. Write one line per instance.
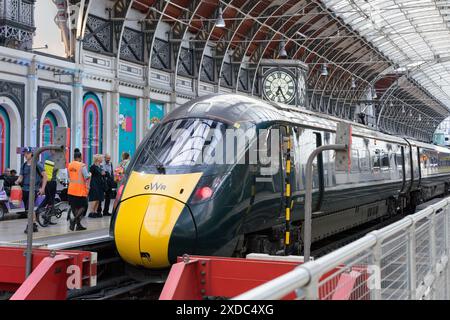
(415, 167)
(268, 186)
(304, 141)
(408, 169)
(400, 161)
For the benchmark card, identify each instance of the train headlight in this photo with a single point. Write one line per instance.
(203, 193)
(206, 188)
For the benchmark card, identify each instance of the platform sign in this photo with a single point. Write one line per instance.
(61, 139)
(344, 136)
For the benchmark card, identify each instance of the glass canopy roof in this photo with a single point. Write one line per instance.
(415, 35)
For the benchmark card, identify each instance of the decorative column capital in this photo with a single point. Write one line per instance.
(33, 67)
(78, 77)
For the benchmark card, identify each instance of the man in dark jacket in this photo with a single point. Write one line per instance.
(109, 183)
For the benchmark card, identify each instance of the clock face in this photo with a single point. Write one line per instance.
(279, 86)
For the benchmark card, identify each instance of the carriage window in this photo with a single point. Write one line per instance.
(355, 161)
(384, 159)
(399, 159)
(376, 159)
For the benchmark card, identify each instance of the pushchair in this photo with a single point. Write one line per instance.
(6, 206)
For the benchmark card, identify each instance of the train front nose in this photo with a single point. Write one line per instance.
(143, 235)
(148, 223)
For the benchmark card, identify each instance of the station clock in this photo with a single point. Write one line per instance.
(283, 81)
(279, 86)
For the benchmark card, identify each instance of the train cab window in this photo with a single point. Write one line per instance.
(186, 142)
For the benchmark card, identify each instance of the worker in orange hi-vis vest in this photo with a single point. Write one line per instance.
(77, 193)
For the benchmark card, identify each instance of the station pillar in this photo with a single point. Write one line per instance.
(77, 113)
(115, 103)
(31, 121)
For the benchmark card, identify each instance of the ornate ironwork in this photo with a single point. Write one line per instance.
(186, 66)
(227, 75)
(207, 69)
(243, 80)
(98, 36)
(17, 23)
(161, 55)
(132, 48)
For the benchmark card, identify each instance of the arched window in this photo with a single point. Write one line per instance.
(48, 132)
(4, 139)
(92, 127)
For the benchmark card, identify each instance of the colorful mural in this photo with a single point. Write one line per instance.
(127, 126)
(156, 112)
(4, 139)
(48, 131)
(92, 127)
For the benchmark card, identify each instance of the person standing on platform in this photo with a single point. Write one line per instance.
(109, 184)
(125, 161)
(78, 190)
(122, 167)
(8, 180)
(24, 179)
(50, 188)
(97, 191)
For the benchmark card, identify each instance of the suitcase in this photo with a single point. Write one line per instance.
(16, 196)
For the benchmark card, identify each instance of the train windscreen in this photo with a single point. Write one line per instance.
(183, 143)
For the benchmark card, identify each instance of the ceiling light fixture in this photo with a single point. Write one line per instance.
(324, 71)
(220, 23)
(283, 52)
(374, 93)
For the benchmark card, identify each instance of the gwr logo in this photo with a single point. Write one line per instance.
(155, 186)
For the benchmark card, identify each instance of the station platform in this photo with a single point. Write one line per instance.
(56, 237)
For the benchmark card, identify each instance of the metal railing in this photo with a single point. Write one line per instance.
(406, 260)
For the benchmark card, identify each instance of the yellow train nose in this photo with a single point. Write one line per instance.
(151, 207)
(144, 227)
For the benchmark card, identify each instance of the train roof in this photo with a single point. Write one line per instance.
(237, 108)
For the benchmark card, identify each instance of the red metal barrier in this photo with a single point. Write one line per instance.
(53, 272)
(202, 277)
(220, 277)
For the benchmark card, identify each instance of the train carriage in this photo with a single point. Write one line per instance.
(187, 191)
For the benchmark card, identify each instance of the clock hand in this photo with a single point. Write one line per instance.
(279, 90)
